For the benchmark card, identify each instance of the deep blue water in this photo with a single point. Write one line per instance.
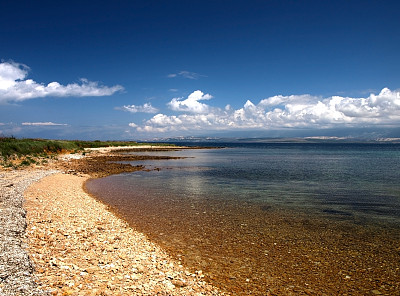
(341, 180)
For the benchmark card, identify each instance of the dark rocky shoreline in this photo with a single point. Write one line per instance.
(98, 166)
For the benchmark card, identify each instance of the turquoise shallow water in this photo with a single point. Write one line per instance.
(249, 196)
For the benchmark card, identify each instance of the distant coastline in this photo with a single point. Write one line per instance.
(316, 139)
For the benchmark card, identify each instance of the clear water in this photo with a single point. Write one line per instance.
(349, 180)
(237, 196)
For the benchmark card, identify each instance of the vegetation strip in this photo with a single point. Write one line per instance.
(15, 153)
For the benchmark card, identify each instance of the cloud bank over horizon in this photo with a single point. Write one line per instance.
(14, 87)
(278, 112)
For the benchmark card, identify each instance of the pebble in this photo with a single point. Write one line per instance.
(95, 250)
(16, 269)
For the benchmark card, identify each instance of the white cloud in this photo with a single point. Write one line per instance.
(191, 104)
(133, 124)
(277, 112)
(283, 100)
(10, 73)
(44, 124)
(186, 74)
(15, 87)
(146, 108)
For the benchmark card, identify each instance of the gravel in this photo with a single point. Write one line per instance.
(16, 269)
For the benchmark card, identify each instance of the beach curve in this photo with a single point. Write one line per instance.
(79, 247)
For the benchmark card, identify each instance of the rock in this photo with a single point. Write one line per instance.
(178, 283)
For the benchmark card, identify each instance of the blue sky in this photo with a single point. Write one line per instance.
(148, 69)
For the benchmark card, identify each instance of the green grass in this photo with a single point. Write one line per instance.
(29, 149)
(10, 147)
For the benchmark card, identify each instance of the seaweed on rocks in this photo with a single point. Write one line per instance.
(98, 166)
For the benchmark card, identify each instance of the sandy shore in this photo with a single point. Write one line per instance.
(78, 247)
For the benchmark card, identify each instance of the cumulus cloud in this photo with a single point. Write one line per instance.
(277, 112)
(15, 87)
(191, 104)
(146, 108)
(186, 74)
(44, 124)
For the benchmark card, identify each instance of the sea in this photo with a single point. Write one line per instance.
(283, 218)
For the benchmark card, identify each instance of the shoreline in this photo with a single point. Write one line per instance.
(79, 247)
(262, 250)
(74, 245)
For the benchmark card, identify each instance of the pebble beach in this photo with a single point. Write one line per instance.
(58, 240)
(17, 272)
